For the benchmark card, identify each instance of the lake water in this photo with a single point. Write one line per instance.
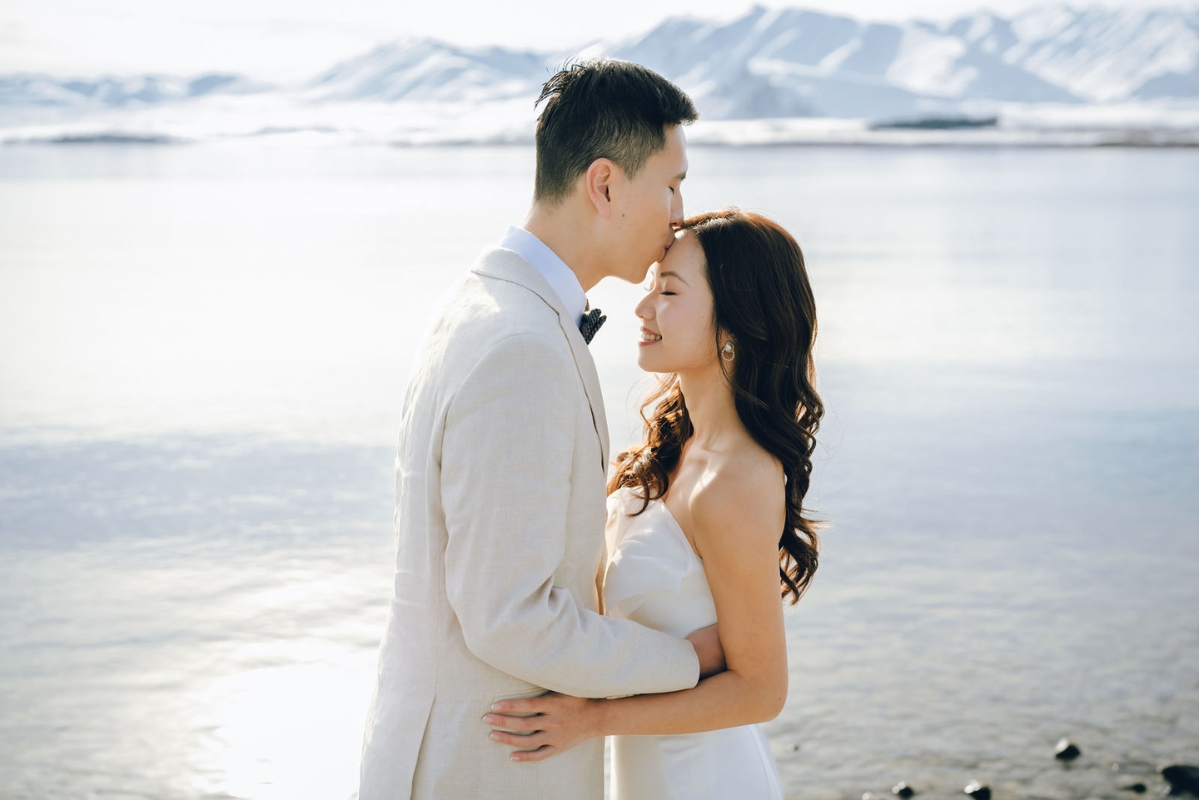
(202, 355)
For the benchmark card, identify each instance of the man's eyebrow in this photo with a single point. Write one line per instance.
(672, 274)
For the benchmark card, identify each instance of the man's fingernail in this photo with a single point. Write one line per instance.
(495, 706)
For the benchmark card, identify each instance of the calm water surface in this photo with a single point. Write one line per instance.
(202, 353)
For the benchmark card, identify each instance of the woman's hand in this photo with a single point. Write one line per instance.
(550, 724)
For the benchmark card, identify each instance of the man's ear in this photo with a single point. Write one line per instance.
(597, 182)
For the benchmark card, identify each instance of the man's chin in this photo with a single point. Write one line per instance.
(638, 278)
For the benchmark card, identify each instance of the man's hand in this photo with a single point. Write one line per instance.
(708, 650)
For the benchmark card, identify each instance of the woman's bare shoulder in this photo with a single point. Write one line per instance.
(743, 496)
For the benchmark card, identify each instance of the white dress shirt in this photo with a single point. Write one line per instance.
(556, 272)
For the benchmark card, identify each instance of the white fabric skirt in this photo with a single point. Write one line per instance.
(729, 764)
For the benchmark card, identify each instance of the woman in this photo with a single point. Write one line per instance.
(705, 519)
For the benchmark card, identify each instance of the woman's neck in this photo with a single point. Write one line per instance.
(711, 410)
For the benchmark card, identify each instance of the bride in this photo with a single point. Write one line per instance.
(705, 521)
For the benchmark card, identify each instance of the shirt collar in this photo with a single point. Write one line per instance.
(561, 278)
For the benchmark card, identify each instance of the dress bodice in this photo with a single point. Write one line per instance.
(652, 575)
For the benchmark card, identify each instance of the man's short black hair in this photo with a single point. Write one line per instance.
(603, 108)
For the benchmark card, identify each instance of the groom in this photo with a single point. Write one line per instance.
(501, 467)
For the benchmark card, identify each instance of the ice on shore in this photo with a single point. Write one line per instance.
(280, 120)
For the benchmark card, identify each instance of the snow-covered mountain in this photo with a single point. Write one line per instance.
(24, 89)
(764, 65)
(431, 71)
(1097, 54)
(794, 62)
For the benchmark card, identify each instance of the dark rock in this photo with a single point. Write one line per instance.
(902, 789)
(1065, 751)
(1140, 788)
(1181, 777)
(793, 747)
(978, 791)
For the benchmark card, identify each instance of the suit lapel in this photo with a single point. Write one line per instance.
(506, 265)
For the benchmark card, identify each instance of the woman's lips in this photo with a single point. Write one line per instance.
(649, 337)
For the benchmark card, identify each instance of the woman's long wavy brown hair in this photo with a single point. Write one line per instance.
(763, 302)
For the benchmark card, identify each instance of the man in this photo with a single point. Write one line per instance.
(501, 467)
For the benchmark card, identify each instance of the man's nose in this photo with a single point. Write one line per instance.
(677, 209)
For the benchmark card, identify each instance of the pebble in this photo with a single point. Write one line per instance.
(978, 791)
(1140, 788)
(1181, 777)
(902, 789)
(1066, 751)
(793, 747)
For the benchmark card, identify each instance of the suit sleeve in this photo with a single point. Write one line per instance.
(507, 454)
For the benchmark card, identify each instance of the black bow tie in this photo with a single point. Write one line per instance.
(592, 320)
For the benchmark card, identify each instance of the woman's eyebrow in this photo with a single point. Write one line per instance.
(672, 274)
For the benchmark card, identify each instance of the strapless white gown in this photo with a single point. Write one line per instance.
(654, 578)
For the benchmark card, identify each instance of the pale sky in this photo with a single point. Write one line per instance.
(290, 39)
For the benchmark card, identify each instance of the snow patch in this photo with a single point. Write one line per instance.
(927, 63)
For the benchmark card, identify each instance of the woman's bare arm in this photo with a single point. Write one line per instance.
(735, 521)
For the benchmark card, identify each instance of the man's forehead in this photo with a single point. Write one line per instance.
(682, 165)
(676, 167)
(674, 155)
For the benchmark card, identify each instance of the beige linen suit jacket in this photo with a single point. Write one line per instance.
(499, 528)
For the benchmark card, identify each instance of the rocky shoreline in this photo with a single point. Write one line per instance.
(1168, 780)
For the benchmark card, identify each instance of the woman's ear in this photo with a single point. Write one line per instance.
(726, 346)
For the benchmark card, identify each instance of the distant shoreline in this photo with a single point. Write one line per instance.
(1047, 127)
(1173, 142)
(512, 122)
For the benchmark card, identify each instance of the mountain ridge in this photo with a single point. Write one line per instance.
(767, 64)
